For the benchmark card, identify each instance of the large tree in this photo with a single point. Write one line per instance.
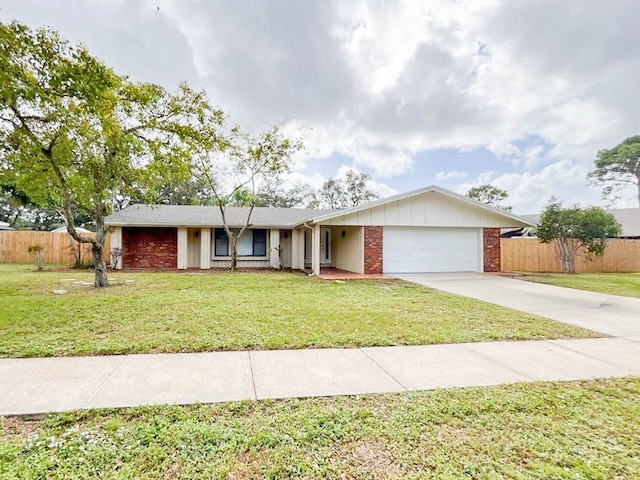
(490, 195)
(350, 191)
(575, 229)
(618, 168)
(76, 135)
(235, 166)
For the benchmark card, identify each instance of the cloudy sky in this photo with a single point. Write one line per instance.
(520, 94)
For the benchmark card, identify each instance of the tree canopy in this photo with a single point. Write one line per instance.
(618, 168)
(75, 134)
(234, 169)
(490, 195)
(350, 191)
(574, 229)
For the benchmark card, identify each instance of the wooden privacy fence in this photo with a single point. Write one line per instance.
(58, 247)
(529, 255)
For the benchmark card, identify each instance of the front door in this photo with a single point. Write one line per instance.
(325, 246)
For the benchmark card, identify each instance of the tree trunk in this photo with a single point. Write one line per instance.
(567, 252)
(234, 255)
(101, 267)
(569, 263)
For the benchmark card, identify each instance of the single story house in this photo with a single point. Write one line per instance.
(426, 230)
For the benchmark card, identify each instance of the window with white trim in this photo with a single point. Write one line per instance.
(252, 243)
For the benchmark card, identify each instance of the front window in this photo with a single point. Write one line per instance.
(252, 243)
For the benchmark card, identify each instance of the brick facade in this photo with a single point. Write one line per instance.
(150, 247)
(491, 249)
(372, 249)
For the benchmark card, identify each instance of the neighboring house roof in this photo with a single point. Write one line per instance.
(431, 188)
(189, 215)
(5, 226)
(628, 218)
(64, 230)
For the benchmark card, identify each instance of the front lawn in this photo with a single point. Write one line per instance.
(545, 430)
(191, 312)
(626, 284)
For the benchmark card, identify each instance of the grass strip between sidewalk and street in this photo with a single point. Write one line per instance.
(586, 429)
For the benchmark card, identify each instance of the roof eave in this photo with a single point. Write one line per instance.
(194, 225)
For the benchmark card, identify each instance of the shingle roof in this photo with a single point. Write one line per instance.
(628, 218)
(188, 215)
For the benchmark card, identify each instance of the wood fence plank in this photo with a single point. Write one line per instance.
(529, 255)
(57, 247)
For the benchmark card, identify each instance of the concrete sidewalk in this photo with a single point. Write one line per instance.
(41, 385)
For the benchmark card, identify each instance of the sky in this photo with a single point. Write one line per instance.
(458, 93)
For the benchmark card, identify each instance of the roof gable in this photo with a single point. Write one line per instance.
(380, 211)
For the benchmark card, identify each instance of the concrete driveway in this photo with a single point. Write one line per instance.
(609, 314)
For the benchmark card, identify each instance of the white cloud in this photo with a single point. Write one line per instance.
(529, 192)
(543, 85)
(450, 175)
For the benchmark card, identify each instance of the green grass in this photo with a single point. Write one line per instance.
(173, 312)
(574, 430)
(626, 284)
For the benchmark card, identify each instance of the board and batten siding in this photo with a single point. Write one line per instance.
(241, 263)
(348, 251)
(428, 209)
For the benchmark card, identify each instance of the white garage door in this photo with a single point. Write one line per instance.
(427, 249)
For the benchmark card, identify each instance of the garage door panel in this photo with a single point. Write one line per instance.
(424, 249)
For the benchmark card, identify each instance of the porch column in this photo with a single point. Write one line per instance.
(116, 242)
(295, 249)
(315, 250)
(205, 248)
(274, 248)
(182, 248)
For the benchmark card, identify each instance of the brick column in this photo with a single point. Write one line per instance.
(373, 249)
(491, 249)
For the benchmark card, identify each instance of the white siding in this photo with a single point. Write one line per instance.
(205, 248)
(183, 258)
(286, 243)
(427, 209)
(240, 264)
(193, 247)
(274, 241)
(116, 242)
(348, 251)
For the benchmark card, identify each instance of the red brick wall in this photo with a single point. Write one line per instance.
(150, 247)
(491, 248)
(372, 249)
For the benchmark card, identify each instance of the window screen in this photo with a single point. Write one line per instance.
(259, 243)
(252, 243)
(222, 243)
